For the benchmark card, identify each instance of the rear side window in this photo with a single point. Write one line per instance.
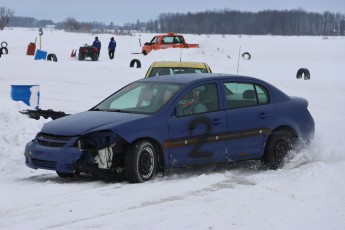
(239, 95)
(172, 39)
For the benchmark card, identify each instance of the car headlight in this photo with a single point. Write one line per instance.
(97, 140)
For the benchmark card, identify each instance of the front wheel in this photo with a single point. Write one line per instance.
(277, 147)
(141, 162)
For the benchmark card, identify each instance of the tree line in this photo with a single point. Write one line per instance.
(275, 22)
(286, 22)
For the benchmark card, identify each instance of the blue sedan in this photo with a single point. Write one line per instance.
(174, 121)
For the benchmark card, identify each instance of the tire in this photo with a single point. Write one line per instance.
(277, 147)
(135, 61)
(65, 175)
(4, 44)
(94, 57)
(140, 162)
(246, 56)
(80, 56)
(303, 72)
(2, 49)
(52, 57)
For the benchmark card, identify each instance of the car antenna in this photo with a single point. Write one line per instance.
(238, 61)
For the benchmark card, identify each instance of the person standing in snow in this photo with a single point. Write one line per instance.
(97, 44)
(111, 48)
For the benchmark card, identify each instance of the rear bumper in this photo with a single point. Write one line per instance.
(307, 126)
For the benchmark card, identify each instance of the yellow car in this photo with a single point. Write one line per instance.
(176, 67)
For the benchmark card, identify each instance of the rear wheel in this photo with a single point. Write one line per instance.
(277, 147)
(141, 162)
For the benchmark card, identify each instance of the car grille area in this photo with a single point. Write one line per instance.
(43, 163)
(54, 141)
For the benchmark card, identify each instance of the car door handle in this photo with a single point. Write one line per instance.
(263, 115)
(217, 121)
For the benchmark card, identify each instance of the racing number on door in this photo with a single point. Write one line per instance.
(203, 138)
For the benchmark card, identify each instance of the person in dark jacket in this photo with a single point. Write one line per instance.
(111, 48)
(97, 44)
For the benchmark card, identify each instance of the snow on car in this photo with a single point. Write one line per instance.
(174, 121)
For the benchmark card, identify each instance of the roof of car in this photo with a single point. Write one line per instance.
(184, 64)
(187, 78)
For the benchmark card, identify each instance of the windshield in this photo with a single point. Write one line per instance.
(139, 97)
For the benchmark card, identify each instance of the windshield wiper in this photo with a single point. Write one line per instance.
(111, 110)
(119, 111)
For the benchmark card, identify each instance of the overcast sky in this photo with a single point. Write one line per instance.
(120, 12)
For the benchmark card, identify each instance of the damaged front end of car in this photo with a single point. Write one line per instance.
(103, 153)
(99, 153)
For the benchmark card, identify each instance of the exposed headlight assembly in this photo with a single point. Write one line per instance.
(101, 144)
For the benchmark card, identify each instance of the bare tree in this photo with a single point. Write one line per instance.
(72, 25)
(5, 16)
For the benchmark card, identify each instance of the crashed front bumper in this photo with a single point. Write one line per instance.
(60, 159)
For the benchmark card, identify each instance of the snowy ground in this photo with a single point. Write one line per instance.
(308, 193)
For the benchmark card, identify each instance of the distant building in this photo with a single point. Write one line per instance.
(50, 27)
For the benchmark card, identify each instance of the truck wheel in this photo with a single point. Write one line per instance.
(277, 146)
(140, 162)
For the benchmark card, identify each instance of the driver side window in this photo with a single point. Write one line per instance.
(200, 99)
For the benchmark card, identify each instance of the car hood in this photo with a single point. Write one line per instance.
(89, 121)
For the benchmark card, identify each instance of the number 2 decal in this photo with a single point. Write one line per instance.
(200, 121)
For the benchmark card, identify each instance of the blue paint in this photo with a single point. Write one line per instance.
(29, 94)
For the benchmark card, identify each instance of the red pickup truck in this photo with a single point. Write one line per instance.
(164, 41)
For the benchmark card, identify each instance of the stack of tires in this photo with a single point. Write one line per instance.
(3, 49)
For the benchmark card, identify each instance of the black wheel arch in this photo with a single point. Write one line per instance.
(286, 128)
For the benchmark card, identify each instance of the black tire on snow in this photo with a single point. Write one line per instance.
(278, 145)
(52, 57)
(140, 162)
(3, 44)
(246, 56)
(94, 57)
(80, 56)
(303, 72)
(135, 61)
(2, 50)
(65, 175)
